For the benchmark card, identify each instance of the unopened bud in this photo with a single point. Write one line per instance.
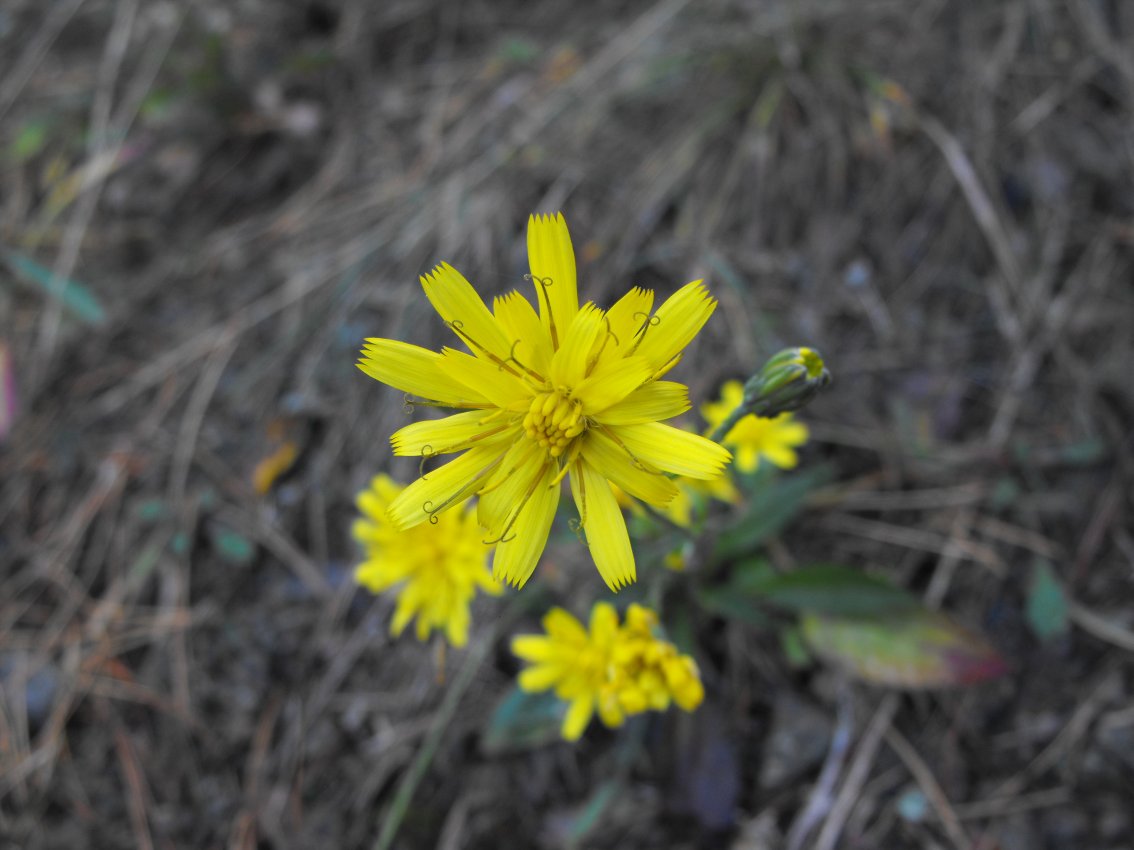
(788, 381)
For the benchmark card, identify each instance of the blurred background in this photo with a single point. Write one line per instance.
(206, 206)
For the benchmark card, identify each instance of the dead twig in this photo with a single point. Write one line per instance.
(930, 787)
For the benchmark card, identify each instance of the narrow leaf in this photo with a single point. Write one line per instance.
(831, 589)
(76, 297)
(1048, 609)
(773, 503)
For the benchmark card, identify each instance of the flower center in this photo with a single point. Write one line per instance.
(554, 420)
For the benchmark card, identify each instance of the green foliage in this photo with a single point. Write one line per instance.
(77, 298)
(30, 139)
(232, 546)
(831, 589)
(773, 503)
(1047, 607)
(523, 721)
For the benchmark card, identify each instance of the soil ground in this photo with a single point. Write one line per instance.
(937, 195)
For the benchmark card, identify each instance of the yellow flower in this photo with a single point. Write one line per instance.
(754, 437)
(437, 569)
(650, 672)
(569, 390)
(612, 670)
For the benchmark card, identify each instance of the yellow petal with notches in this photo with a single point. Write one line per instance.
(675, 323)
(451, 434)
(499, 386)
(673, 450)
(654, 402)
(603, 525)
(417, 371)
(531, 345)
(569, 365)
(604, 454)
(552, 262)
(464, 312)
(516, 556)
(611, 383)
(444, 487)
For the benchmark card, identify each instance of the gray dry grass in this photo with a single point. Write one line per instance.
(252, 188)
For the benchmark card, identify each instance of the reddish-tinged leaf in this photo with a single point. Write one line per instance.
(912, 648)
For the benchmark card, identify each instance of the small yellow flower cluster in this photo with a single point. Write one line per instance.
(616, 670)
(434, 569)
(755, 437)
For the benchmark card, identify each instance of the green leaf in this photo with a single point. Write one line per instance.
(724, 602)
(774, 502)
(232, 546)
(795, 648)
(831, 589)
(1084, 453)
(29, 141)
(76, 297)
(916, 648)
(1047, 607)
(523, 721)
(736, 599)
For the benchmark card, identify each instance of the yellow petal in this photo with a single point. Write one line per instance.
(370, 575)
(747, 458)
(509, 484)
(612, 383)
(539, 678)
(564, 627)
(790, 432)
(552, 262)
(532, 647)
(451, 434)
(675, 324)
(603, 525)
(498, 385)
(517, 555)
(569, 365)
(603, 623)
(782, 456)
(673, 450)
(531, 344)
(640, 481)
(417, 371)
(444, 487)
(578, 716)
(629, 315)
(654, 402)
(464, 312)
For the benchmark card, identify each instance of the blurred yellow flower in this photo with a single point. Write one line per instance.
(755, 437)
(569, 390)
(614, 670)
(434, 569)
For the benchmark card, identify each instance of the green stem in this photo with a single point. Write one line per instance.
(721, 431)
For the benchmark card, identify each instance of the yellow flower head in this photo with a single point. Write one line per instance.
(567, 390)
(437, 569)
(614, 670)
(755, 437)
